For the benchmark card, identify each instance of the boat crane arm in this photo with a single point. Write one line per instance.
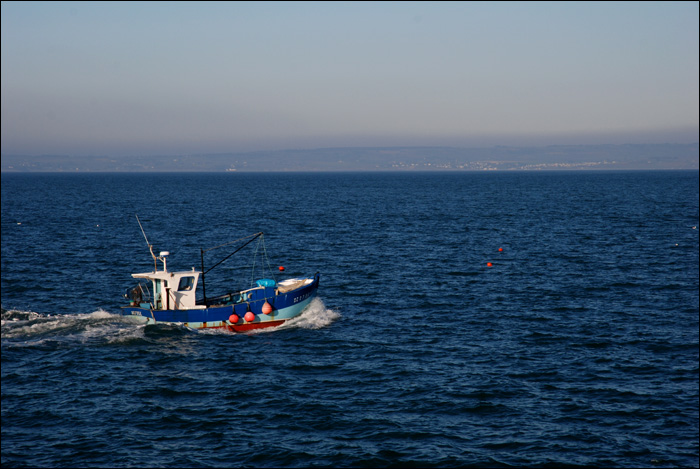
(252, 237)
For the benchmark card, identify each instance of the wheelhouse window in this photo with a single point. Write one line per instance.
(186, 284)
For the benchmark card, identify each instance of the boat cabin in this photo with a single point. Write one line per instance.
(173, 290)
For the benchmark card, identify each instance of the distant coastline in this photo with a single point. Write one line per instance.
(498, 158)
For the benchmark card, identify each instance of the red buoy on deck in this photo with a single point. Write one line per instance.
(233, 318)
(267, 308)
(249, 316)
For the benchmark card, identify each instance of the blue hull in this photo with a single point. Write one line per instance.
(218, 314)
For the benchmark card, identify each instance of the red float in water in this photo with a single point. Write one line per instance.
(281, 268)
(500, 249)
(249, 316)
(488, 264)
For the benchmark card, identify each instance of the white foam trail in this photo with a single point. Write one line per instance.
(102, 314)
(14, 316)
(27, 328)
(35, 328)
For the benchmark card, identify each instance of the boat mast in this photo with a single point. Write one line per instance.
(204, 289)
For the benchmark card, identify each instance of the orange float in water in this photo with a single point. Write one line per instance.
(281, 268)
(488, 264)
(249, 316)
(500, 249)
(233, 318)
(267, 308)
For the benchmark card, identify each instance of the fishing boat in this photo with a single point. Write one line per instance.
(170, 297)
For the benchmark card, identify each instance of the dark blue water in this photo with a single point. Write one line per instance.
(578, 346)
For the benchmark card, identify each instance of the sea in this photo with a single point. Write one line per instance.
(463, 319)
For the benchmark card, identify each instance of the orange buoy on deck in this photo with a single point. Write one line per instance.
(267, 308)
(249, 316)
(233, 318)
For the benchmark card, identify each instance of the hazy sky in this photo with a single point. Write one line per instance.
(121, 78)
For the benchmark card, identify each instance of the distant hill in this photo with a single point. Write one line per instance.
(557, 157)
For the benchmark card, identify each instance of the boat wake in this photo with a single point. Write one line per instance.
(28, 328)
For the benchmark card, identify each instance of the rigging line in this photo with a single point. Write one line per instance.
(231, 242)
(263, 258)
(255, 260)
(269, 267)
